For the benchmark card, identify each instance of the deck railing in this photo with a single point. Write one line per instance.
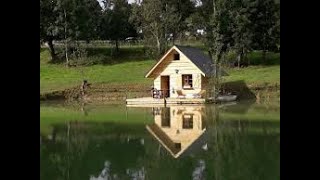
(162, 93)
(122, 94)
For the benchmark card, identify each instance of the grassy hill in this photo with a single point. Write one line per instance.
(130, 67)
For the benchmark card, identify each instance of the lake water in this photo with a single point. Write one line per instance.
(108, 142)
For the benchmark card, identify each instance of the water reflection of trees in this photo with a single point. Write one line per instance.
(82, 145)
(233, 149)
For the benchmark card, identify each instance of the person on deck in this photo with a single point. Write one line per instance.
(154, 92)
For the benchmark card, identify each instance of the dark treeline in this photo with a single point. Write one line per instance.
(221, 25)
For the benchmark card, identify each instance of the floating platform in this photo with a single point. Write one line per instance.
(149, 101)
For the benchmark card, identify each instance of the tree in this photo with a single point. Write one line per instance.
(242, 29)
(69, 20)
(266, 24)
(159, 21)
(195, 22)
(176, 15)
(276, 27)
(76, 21)
(218, 34)
(48, 30)
(153, 27)
(86, 18)
(115, 23)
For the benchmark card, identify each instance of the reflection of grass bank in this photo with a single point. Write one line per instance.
(247, 111)
(252, 115)
(50, 115)
(118, 114)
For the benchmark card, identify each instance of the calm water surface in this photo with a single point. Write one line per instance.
(109, 142)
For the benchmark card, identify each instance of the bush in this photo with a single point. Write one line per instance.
(256, 58)
(253, 58)
(88, 61)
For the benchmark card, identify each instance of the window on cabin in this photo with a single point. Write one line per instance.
(165, 122)
(187, 122)
(177, 145)
(187, 81)
(176, 56)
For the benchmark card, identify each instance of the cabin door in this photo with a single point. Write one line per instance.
(165, 85)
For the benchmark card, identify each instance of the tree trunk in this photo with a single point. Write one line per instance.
(51, 49)
(66, 53)
(68, 149)
(245, 57)
(248, 59)
(214, 88)
(264, 51)
(210, 55)
(211, 81)
(173, 38)
(65, 38)
(264, 55)
(117, 46)
(158, 47)
(239, 60)
(216, 77)
(54, 135)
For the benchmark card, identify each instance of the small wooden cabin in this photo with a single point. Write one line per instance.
(183, 69)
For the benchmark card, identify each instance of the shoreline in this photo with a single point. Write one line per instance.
(103, 93)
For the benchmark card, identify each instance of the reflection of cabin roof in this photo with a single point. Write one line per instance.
(163, 138)
(168, 144)
(196, 146)
(197, 57)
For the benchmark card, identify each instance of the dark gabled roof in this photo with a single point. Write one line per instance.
(201, 60)
(197, 57)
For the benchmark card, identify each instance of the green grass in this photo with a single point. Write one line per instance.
(130, 67)
(260, 75)
(58, 77)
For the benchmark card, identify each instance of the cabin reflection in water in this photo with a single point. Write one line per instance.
(178, 128)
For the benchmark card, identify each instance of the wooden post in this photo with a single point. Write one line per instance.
(164, 98)
(126, 113)
(68, 154)
(126, 94)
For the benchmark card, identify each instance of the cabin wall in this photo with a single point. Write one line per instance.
(184, 66)
(157, 83)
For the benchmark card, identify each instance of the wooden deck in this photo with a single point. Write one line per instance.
(147, 101)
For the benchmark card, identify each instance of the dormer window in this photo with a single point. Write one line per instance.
(176, 56)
